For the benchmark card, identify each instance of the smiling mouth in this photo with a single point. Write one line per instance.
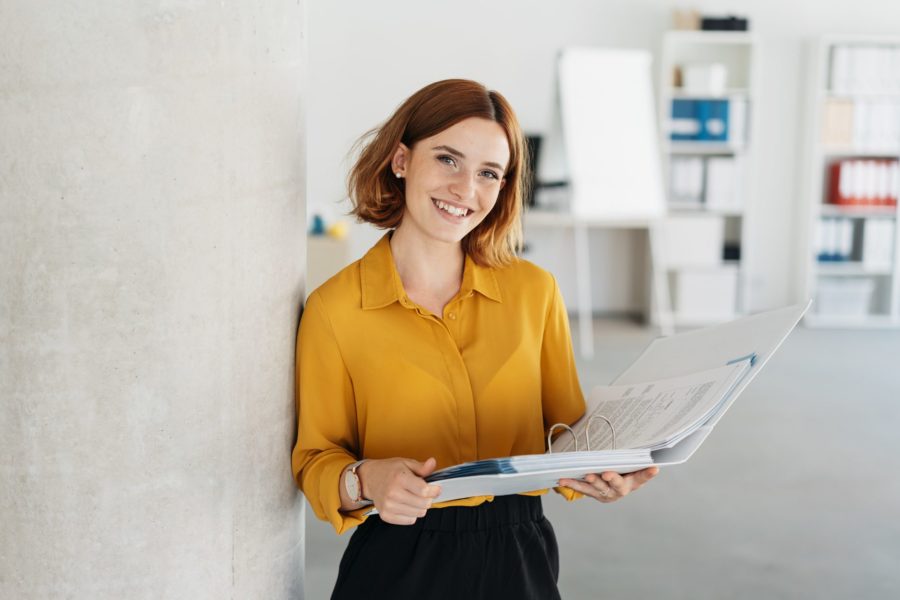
(456, 211)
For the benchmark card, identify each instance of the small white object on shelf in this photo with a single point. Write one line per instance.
(845, 297)
(703, 294)
(878, 244)
(704, 79)
(693, 240)
(723, 183)
(686, 174)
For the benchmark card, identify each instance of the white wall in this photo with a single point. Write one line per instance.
(366, 57)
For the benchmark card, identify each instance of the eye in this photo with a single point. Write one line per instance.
(447, 159)
(490, 175)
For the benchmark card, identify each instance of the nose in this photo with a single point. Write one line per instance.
(463, 185)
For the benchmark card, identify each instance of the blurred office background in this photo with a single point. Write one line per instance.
(792, 496)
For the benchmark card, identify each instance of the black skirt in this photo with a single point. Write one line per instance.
(500, 549)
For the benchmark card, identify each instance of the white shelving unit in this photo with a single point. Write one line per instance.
(705, 239)
(853, 119)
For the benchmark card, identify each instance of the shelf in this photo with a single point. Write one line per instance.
(870, 293)
(565, 219)
(829, 95)
(688, 320)
(728, 93)
(857, 212)
(859, 39)
(702, 210)
(850, 151)
(712, 293)
(703, 148)
(725, 265)
(840, 322)
(710, 37)
(850, 269)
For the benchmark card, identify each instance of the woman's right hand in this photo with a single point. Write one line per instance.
(397, 488)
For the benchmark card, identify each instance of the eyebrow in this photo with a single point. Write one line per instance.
(459, 154)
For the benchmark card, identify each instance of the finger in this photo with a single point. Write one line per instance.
(612, 478)
(639, 478)
(606, 489)
(587, 489)
(417, 486)
(420, 488)
(406, 506)
(422, 469)
(648, 473)
(396, 519)
(644, 474)
(412, 498)
(616, 482)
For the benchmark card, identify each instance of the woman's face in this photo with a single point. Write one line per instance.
(452, 179)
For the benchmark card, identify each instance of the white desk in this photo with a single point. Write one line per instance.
(662, 306)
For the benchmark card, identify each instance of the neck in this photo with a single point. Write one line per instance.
(427, 265)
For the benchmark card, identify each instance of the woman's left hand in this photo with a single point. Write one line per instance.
(609, 486)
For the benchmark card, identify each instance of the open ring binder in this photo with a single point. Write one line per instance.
(587, 436)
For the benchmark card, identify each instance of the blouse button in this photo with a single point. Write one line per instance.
(452, 316)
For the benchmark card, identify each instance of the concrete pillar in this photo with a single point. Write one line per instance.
(151, 250)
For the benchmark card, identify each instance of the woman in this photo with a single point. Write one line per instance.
(438, 347)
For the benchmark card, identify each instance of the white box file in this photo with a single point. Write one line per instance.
(845, 297)
(703, 294)
(693, 240)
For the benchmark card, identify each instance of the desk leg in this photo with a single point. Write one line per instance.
(583, 283)
(662, 300)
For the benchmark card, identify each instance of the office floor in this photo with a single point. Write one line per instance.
(794, 495)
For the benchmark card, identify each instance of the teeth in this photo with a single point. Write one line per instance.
(459, 212)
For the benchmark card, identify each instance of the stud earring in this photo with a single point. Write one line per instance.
(398, 174)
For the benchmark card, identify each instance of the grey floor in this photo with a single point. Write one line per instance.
(795, 494)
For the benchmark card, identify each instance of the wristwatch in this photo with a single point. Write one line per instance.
(352, 484)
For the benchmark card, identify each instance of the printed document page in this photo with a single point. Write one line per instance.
(656, 414)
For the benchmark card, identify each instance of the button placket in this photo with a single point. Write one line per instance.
(460, 383)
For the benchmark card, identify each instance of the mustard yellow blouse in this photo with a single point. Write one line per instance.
(379, 376)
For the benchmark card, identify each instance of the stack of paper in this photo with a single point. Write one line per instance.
(654, 415)
(516, 474)
(534, 463)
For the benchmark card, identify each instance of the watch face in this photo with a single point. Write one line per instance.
(351, 481)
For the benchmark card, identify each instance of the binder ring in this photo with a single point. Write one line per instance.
(550, 435)
(587, 431)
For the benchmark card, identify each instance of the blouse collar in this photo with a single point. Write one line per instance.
(380, 283)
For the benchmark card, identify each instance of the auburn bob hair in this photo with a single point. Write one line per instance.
(378, 197)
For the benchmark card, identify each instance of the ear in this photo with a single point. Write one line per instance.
(400, 160)
(502, 183)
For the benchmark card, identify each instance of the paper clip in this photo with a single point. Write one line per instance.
(587, 437)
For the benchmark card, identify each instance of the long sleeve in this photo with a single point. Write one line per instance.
(327, 439)
(561, 395)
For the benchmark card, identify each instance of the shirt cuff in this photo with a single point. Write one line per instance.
(328, 505)
(568, 493)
